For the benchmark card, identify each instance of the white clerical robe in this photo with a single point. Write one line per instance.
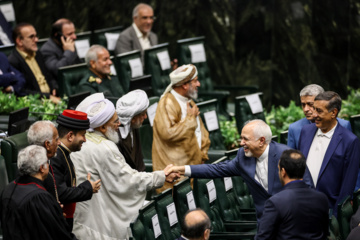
(123, 189)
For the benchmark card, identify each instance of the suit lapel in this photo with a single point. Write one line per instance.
(306, 143)
(272, 167)
(136, 39)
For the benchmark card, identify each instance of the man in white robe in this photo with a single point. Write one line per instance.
(108, 214)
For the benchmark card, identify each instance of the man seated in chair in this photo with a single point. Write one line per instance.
(131, 109)
(99, 77)
(297, 211)
(11, 80)
(59, 50)
(27, 210)
(196, 226)
(108, 214)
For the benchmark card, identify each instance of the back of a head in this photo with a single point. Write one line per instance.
(92, 53)
(261, 129)
(30, 159)
(311, 90)
(294, 163)
(17, 30)
(195, 223)
(332, 97)
(39, 132)
(57, 26)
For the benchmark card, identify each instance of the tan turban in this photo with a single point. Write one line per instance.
(128, 106)
(181, 75)
(99, 113)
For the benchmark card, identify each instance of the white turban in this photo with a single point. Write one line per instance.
(181, 75)
(99, 113)
(128, 106)
(83, 106)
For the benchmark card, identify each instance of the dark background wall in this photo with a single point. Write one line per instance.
(279, 45)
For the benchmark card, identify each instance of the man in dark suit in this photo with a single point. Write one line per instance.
(139, 35)
(297, 212)
(332, 151)
(59, 50)
(307, 96)
(256, 162)
(30, 63)
(195, 226)
(11, 80)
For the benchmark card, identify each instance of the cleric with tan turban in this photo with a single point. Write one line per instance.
(179, 135)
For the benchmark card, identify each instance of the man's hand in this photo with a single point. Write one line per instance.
(174, 64)
(55, 99)
(180, 170)
(68, 44)
(95, 185)
(170, 177)
(193, 110)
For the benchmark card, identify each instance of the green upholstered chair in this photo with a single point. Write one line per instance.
(7, 49)
(355, 124)
(4, 180)
(137, 230)
(123, 68)
(160, 77)
(231, 154)
(275, 138)
(334, 230)
(10, 148)
(242, 193)
(243, 111)
(69, 78)
(284, 137)
(345, 211)
(100, 37)
(147, 214)
(356, 200)
(165, 207)
(41, 42)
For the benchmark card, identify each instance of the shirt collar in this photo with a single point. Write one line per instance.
(139, 34)
(63, 145)
(329, 134)
(264, 155)
(180, 97)
(25, 55)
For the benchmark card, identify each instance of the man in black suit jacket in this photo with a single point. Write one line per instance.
(30, 63)
(195, 226)
(297, 212)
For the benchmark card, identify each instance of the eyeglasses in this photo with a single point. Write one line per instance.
(32, 36)
(146, 18)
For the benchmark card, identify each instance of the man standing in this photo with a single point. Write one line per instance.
(196, 225)
(138, 36)
(285, 212)
(59, 50)
(28, 211)
(99, 78)
(131, 109)
(108, 214)
(28, 60)
(72, 128)
(332, 151)
(180, 137)
(307, 96)
(256, 162)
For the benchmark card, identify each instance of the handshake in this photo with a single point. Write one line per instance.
(172, 172)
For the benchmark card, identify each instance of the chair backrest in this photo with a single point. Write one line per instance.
(243, 111)
(169, 221)
(242, 193)
(333, 228)
(7, 9)
(107, 37)
(189, 51)
(128, 65)
(157, 64)
(10, 148)
(18, 121)
(355, 124)
(76, 99)
(137, 230)
(356, 200)
(3, 174)
(143, 83)
(231, 154)
(69, 78)
(82, 43)
(150, 220)
(41, 42)
(284, 137)
(345, 212)
(183, 198)
(7, 49)
(208, 114)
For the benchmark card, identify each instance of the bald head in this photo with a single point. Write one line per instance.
(196, 225)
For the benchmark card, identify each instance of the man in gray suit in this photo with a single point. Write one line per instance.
(138, 36)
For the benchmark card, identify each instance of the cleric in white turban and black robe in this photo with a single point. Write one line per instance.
(180, 137)
(108, 214)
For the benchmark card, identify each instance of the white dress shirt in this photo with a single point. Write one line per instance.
(261, 172)
(143, 39)
(317, 152)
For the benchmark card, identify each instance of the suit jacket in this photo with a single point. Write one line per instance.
(284, 214)
(31, 84)
(6, 27)
(55, 57)
(128, 41)
(245, 167)
(9, 76)
(295, 130)
(340, 167)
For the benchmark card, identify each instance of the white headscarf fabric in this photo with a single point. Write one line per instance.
(185, 72)
(128, 106)
(83, 106)
(99, 113)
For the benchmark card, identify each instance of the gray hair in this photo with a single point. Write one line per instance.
(138, 7)
(39, 132)
(30, 159)
(311, 90)
(261, 129)
(92, 53)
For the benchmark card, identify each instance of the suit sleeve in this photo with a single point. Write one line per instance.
(291, 138)
(124, 44)
(53, 63)
(268, 225)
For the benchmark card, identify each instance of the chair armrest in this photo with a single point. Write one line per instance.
(215, 155)
(235, 235)
(214, 94)
(240, 226)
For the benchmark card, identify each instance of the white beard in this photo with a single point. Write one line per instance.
(112, 135)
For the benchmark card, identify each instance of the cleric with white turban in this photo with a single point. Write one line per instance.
(128, 106)
(99, 113)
